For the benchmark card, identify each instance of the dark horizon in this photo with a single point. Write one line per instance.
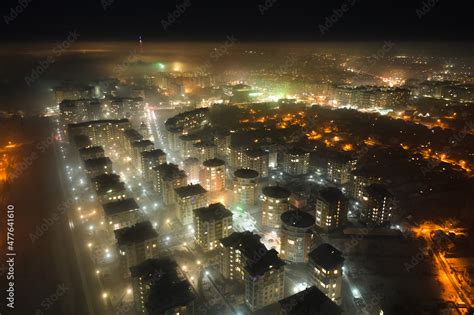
(257, 21)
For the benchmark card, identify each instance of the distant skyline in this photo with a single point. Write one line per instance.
(249, 20)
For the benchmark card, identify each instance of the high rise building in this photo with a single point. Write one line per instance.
(106, 133)
(212, 175)
(222, 141)
(93, 152)
(256, 160)
(310, 301)
(129, 137)
(236, 156)
(98, 166)
(189, 198)
(166, 179)
(264, 281)
(377, 205)
(109, 188)
(275, 203)
(245, 259)
(151, 159)
(245, 187)
(192, 167)
(295, 161)
(189, 121)
(339, 169)
(296, 235)
(361, 180)
(204, 150)
(211, 224)
(70, 92)
(331, 209)
(160, 288)
(186, 143)
(326, 263)
(137, 148)
(136, 244)
(122, 213)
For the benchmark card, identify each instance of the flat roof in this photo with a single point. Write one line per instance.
(142, 143)
(215, 211)
(98, 122)
(267, 261)
(277, 192)
(378, 191)
(153, 154)
(104, 187)
(169, 171)
(120, 206)
(97, 162)
(255, 153)
(331, 194)
(105, 178)
(297, 218)
(213, 163)
(297, 151)
(246, 173)
(326, 256)
(190, 190)
(309, 302)
(91, 150)
(137, 233)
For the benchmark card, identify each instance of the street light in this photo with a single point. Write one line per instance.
(104, 295)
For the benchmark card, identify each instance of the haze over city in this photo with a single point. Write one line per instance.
(257, 157)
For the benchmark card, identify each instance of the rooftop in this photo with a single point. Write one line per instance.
(255, 153)
(190, 190)
(213, 163)
(142, 144)
(191, 161)
(137, 233)
(309, 302)
(214, 212)
(106, 178)
(267, 261)
(168, 171)
(97, 163)
(132, 134)
(246, 173)
(156, 153)
(98, 122)
(297, 151)
(276, 192)
(91, 150)
(326, 256)
(104, 187)
(120, 206)
(331, 194)
(378, 191)
(298, 219)
(82, 141)
(150, 268)
(167, 289)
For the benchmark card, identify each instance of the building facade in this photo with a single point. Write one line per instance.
(331, 209)
(211, 224)
(275, 203)
(296, 236)
(326, 263)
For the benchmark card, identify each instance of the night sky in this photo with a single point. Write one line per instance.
(204, 20)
